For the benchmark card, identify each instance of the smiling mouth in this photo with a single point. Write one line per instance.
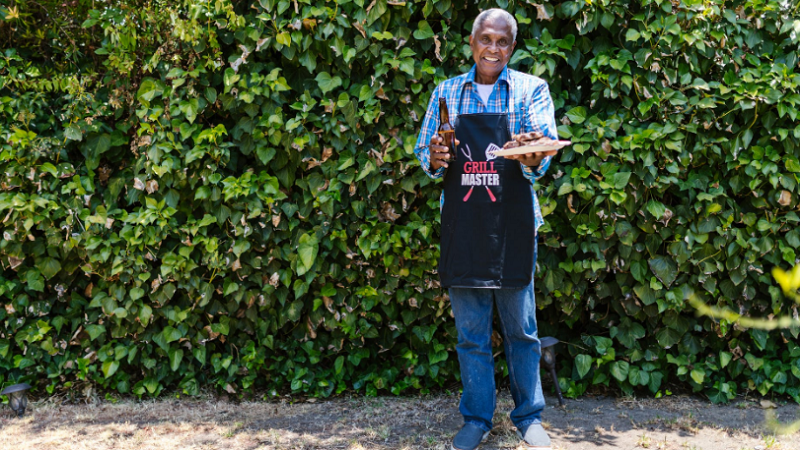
(490, 59)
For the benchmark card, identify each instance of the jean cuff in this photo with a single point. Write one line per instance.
(523, 425)
(480, 425)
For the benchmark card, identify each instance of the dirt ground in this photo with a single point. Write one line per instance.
(429, 422)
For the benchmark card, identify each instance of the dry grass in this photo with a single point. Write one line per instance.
(378, 423)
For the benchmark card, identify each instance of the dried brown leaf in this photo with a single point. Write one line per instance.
(360, 29)
(541, 13)
(326, 153)
(438, 47)
(766, 404)
(151, 186)
(310, 328)
(15, 262)
(786, 198)
(388, 213)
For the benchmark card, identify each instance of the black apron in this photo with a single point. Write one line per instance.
(487, 220)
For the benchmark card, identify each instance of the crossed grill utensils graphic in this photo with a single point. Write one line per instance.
(468, 154)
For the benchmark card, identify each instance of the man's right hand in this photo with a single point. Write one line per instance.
(440, 154)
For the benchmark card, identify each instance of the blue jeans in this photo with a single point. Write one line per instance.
(473, 312)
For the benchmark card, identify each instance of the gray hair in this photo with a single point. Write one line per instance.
(495, 13)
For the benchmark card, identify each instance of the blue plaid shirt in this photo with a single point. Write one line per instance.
(530, 109)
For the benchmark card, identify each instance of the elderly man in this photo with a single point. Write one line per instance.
(488, 248)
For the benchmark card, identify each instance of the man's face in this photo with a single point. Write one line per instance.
(492, 47)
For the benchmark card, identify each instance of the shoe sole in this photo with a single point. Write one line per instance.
(483, 439)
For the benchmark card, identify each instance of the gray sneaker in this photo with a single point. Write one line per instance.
(469, 438)
(534, 437)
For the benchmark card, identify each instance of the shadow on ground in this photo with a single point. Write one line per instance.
(387, 423)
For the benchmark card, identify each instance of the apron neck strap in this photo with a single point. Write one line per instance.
(464, 87)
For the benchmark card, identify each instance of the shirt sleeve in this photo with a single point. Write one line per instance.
(430, 123)
(540, 116)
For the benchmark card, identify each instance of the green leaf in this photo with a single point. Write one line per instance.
(34, 280)
(754, 362)
(95, 331)
(110, 368)
(199, 353)
(655, 381)
(423, 31)
(327, 83)
(136, 293)
(621, 179)
(148, 90)
(656, 208)
(229, 78)
(151, 384)
(664, 269)
(175, 357)
(724, 359)
(171, 334)
(583, 363)
(5, 346)
(294, 310)
(284, 38)
(307, 250)
(638, 377)
(619, 370)
(698, 375)
(189, 108)
(793, 238)
(49, 267)
(145, 312)
(223, 327)
(73, 132)
(577, 114)
(241, 246)
(668, 337)
(211, 94)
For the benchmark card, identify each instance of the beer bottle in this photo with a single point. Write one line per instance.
(446, 130)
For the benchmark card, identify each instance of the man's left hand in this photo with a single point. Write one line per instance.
(532, 159)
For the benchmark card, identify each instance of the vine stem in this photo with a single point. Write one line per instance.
(710, 256)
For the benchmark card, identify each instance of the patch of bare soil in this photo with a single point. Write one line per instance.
(387, 423)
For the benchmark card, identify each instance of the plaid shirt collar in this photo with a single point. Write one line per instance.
(504, 76)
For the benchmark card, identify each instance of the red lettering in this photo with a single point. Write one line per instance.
(479, 167)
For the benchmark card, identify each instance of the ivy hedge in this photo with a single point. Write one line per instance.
(223, 193)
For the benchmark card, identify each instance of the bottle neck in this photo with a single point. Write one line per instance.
(443, 114)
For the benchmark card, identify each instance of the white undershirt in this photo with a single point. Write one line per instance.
(485, 90)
